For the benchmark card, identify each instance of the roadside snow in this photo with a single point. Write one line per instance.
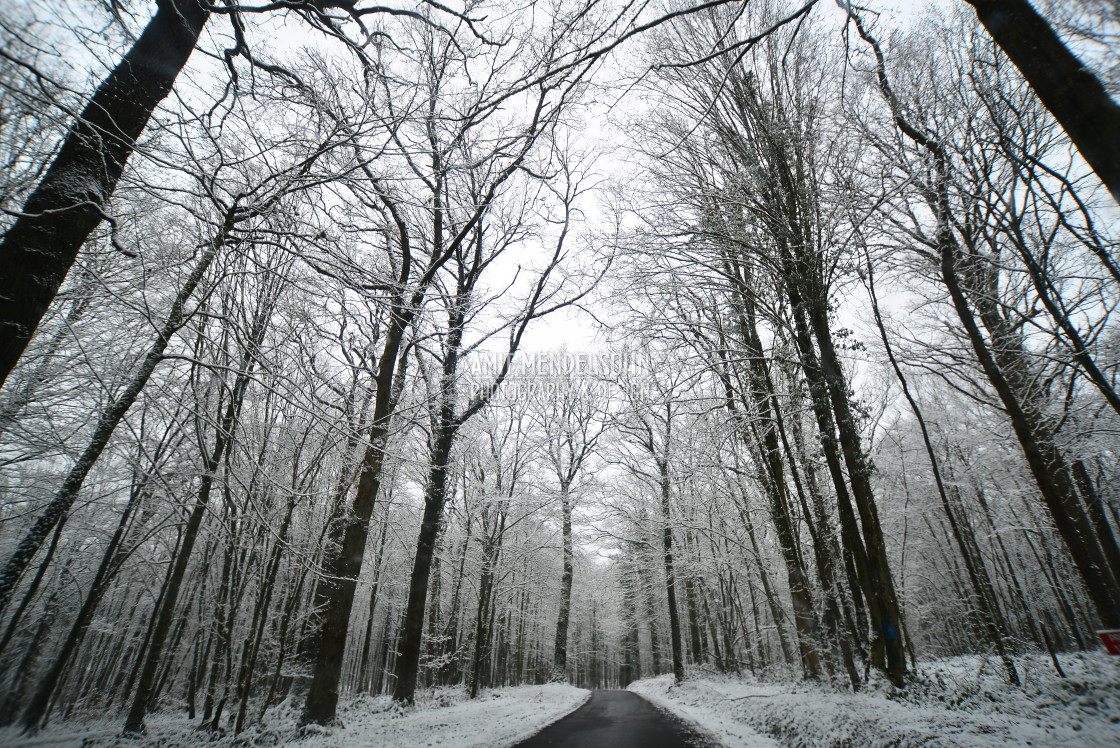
(708, 715)
(500, 717)
(956, 702)
(443, 717)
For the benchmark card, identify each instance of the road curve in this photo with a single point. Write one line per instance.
(616, 719)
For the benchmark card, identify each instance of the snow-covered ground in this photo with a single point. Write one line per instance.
(443, 717)
(956, 702)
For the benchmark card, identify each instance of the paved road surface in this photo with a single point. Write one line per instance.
(616, 719)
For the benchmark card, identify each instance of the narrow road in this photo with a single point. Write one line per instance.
(616, 719)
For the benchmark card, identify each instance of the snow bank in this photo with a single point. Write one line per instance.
(692, 702)
(500, 717)
(958, 702)
(441, 717)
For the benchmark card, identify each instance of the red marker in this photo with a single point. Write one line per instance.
(1111, 639)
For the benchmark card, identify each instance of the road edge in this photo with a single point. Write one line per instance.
(555, 718)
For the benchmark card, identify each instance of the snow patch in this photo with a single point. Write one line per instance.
(443, 717)
(705, 714)
(955, 702)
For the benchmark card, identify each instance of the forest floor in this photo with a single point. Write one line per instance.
(953, 702)
(442, 717)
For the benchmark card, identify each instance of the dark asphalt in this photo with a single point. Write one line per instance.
(616, 719)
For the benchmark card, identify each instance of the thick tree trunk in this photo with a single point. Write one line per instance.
(777, 612)
(69, 202)
(1064, 84)
(221, 652)
(445, 426)
(670, 572)
(350, 531)
(849, 608)
(335, 591)
(887, 634)
(435, 494)
(858, 554)
(560, 651)
(1095, 507)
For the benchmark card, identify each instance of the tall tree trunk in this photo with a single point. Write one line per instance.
(1095, 507)
(631, 667)
(349, 531)
(670, 571)
(560, 651)
(763, 397)
(221, 651)
(452, 671)
(777, 612)
(857, 553)
(887, 633)
(650, 610)
(435, 494)
(255, 638)
(69, 202)
(695, 633)
(367, 641)
(484, 615)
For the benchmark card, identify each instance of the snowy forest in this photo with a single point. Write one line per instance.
(363, 363)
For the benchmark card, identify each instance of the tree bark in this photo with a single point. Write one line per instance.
(484, 615)
(763, 397)
(1064, 84)
(435, 494)
(367, 641)
(560, 651)
(68, 204)
(670, 571)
